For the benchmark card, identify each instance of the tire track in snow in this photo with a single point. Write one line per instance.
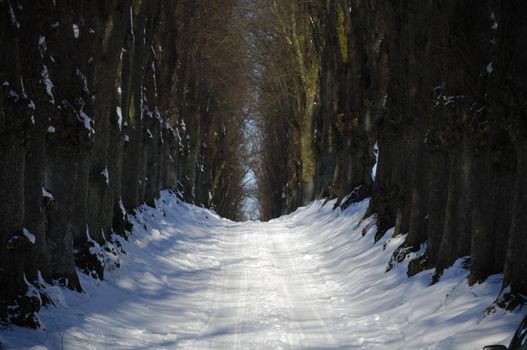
(266, 295)
(241, 297)
(313, 328)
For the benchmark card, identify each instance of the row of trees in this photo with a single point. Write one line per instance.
(440, 86)
(285, 95)
(309, 88)
(103, 104)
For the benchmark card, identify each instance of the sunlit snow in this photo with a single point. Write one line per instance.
(310, 280)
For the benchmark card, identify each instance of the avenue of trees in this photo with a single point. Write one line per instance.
(105, 103)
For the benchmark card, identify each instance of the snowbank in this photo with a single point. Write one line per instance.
(195, 280)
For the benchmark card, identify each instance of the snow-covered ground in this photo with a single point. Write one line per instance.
(309, 280)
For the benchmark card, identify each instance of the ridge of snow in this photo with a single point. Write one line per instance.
(30, 237)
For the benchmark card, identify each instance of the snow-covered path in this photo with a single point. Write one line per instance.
(267, 295)
(310, 280)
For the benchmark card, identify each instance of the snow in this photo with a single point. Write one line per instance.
(448, 100)
(489, 68)
(87, 121)
(84, 80)
(32, 292)
(309, 280)
(106, 174)
(374, 168)
(153, 67)
(132, 23)
(494, 21)
(76, 31)
(23, 87)
(119, 117)
(14, 95)
(47, 83)
(42, 46)
(30, 237)
(12, 16)
(121, 207)
(46, 194)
